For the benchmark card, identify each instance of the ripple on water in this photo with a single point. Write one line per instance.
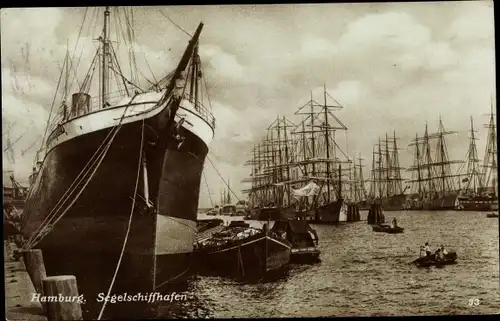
(368, 274)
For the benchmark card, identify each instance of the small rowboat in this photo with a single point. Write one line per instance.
(387, 229)
(426, 261)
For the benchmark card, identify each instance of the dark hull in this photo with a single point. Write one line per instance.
(270, 213)
(478, 203)
(442, 203)
(88, 240)
(305, 255)
(385, 229)
(392, 203)
(328, 214)
(252, 257)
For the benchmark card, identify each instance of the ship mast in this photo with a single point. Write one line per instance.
(417, 165)
(373, 176)
(472, 176)
(490, 157)
(105, 54)
(327, 142)
(398, 185)
(361, 181)
(438, 179)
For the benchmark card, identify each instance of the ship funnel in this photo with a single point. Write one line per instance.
(80, 104)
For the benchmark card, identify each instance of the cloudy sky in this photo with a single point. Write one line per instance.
(393, 66)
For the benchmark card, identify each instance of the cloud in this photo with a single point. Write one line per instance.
(473, 23)
(393, 66)
(224, 65)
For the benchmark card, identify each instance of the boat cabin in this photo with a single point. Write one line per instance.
(228, 210)
(297, 232)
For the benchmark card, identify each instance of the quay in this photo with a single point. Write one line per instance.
(25, 278)
(19, 290)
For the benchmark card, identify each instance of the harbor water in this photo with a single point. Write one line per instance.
(364, 273)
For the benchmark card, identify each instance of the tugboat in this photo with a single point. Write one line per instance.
(241, 251)
(491, 215)
(300, 234)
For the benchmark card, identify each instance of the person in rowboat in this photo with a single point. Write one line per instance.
(394, 223)
(439, 255)
(427, 249)
(443, 250)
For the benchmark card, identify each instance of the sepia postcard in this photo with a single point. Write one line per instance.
(217, 161)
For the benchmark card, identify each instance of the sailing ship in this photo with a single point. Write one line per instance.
(386, 183)
(298, 173)
(359, 195)
(432, 184)
(116, 186)
(479, 192)
(270, 197)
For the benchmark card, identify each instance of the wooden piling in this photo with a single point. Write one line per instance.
(66, 307)
(33, 261)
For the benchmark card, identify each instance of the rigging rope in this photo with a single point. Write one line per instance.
(208, 190)
(187, 33)
(78, 180)
(76, 44)
(223, 179)
(51, 108)
(39, 233)
(129, 223)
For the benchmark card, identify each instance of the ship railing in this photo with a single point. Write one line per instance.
(204, 112)
(112, 99)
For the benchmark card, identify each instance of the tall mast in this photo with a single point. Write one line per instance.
(304, 143)
(327, 147)
(361, 180)
(373, 185)
(428, 161)
(398, 188)
(354, 183)
(490, 156)
(442, 156)
(419, 174)
(380, 167)
(388, 182)
(105, 53)
(287, 160)
(312, 137)
(351, 189)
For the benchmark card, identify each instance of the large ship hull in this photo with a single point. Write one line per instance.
(391, 203)
(331, 213)
(394, 203)
(478, 203)
(88, 239)
(441, 203)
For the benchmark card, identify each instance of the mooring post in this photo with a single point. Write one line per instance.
(62, 286)
(33, 261)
